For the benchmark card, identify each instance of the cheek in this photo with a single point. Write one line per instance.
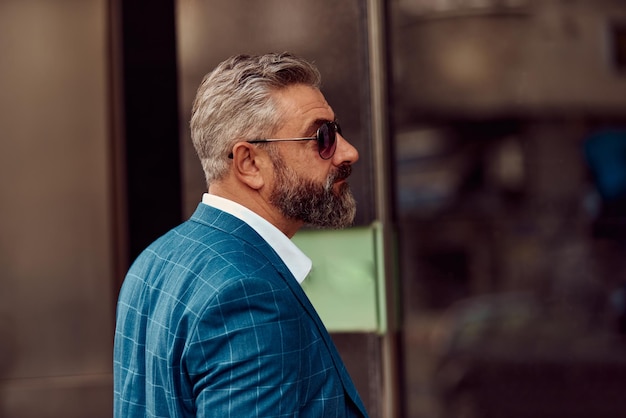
(311, 169)
(323, 177)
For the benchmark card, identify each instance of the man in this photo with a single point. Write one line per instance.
(211, 319)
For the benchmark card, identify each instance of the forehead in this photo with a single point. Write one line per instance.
(303, 105)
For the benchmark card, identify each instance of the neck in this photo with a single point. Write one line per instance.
(254, 200)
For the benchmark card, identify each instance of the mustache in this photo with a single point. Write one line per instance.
(342, 173)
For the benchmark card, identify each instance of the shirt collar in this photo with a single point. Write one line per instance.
(295, 260)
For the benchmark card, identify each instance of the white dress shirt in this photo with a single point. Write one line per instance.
(297, 262)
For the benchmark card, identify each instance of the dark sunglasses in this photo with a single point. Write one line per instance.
(326, 137)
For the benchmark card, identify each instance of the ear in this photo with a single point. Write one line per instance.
(249, 164)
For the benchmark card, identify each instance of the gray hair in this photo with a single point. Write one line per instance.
(235, 102)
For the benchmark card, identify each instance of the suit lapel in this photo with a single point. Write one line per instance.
(221, 220)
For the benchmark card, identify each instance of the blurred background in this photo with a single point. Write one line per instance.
(492, 136)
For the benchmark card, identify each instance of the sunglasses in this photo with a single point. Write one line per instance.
(326, 137)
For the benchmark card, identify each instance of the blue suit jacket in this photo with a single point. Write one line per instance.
(211, 323)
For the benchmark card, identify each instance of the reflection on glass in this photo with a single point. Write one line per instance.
(510, 286)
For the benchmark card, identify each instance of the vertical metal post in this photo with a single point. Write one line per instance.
(381, 143)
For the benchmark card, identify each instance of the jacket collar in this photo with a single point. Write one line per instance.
(228, 223)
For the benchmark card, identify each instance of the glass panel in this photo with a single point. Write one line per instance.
(512, 258)
(327, 32)
(331, 34)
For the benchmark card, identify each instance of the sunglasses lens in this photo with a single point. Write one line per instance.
(327, 139)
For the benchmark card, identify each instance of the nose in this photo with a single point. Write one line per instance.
(345, 152)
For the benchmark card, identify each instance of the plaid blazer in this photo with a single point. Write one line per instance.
(211, 323)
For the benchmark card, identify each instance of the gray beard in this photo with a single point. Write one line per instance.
(313, 203)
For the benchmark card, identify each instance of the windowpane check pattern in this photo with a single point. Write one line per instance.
(211, 323)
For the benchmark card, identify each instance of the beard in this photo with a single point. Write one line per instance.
(316, 204)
